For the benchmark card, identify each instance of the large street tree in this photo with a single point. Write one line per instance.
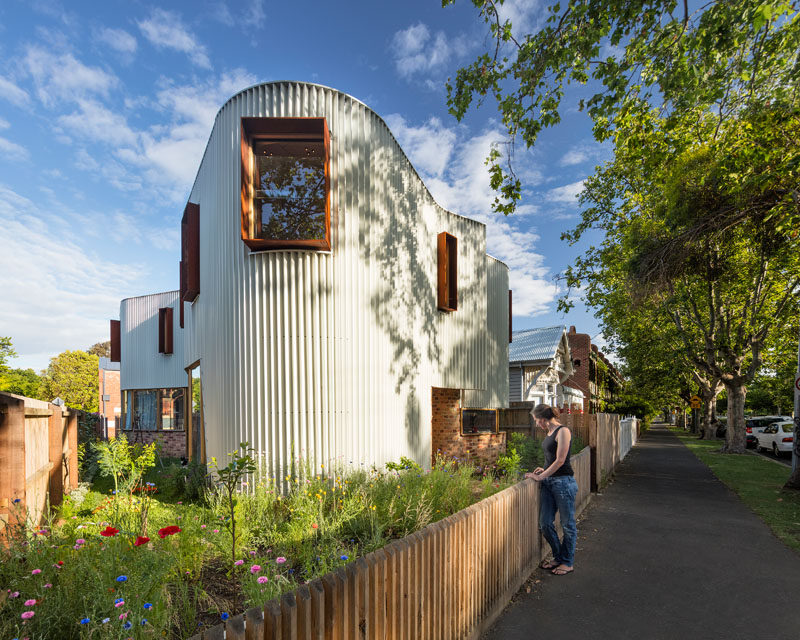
(73, 377)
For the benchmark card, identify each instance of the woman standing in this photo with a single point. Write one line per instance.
(558, 490)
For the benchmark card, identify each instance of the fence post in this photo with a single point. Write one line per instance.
(303, 598)
(55, 429)
(289, 616)
(255, 629)
(234, 628)
(273, 625)
(317, 609)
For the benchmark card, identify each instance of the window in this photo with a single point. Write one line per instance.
(153, 409)
(447, 252)
(285, 183)
(165, 330)
(115, 341)
(476, 421)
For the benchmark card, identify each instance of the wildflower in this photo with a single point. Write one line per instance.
(14, 595)
(60, 563)
(253, 553)
(119, 602)
(17, 500)
(202, 526)
(314, 525)
(238, 563)
(148, 606)
(47, 586)
(262, 579)
(122, 578)
(140, 540)
(85, 621)
(179, 502)
(342, 557)
(30, 603)
(280, 560)
(255, 568)
(27, 615)
(109, 532)
(127, 625)
(168, 531)
(122, 616)
(144, 621)
(216, 531)
(224, 616)
(106, 620)
(36, 572)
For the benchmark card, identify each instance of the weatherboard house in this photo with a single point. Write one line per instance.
(328, 308)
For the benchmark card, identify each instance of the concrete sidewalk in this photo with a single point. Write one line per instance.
(666, 551)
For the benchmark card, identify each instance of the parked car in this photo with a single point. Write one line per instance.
(756, 425)
(777, 437)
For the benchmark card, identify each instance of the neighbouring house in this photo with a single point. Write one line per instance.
(329, 309)
(110, 400)
(594, 375)
(539, 363)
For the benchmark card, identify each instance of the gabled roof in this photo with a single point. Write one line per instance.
(535, 345)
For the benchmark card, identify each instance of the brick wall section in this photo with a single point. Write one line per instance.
(446, 435)
(112, 406)
(173, 443)
(580, 345)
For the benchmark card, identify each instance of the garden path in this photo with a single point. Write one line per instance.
(666, 551)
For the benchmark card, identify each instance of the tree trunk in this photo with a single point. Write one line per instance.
(794, 480)
(709, 425)
(735, 436)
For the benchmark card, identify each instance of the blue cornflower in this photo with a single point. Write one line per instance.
(127, 625)
(106, 620)
(224, 616)
(17, 500)
(144, 621)
(85, 620)
(343, 557)
(147, 605)
(118, 600)
(122, 578)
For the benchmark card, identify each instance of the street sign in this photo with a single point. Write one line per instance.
(695, 402)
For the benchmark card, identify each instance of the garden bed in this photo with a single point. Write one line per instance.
(149, 562)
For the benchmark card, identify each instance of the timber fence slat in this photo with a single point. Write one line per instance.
(363, 622)
(255, 629)
(303, 594)
(317, 592)
(273, 625)
(215, 633)
(234, 628)
(351, 588)
(344, 604)
(289, 615)
(330, 584)
(376, 586)
(390, 578)
(413, 586)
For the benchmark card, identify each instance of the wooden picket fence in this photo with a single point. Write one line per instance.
(445, 582)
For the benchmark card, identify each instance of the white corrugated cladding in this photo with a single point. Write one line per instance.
(141, 365)
(332, 356)
(495, 392)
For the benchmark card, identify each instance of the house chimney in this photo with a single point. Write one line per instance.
(572, 329)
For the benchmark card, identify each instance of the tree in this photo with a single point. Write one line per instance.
(73, 376)
(23, 382)
(725, 57)
(6, 353)
(100, 349)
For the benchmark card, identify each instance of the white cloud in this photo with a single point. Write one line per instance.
(56, 296)
(568, 194)
(93, 121)
(461, 185)
(165, 30)
(4, 124)
(576, 155)
(62, 77)
(118, 39)
(416, 50)
(13, 93)
(525, 15)
(13, 151)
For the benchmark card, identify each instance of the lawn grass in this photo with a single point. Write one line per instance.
(757, 481)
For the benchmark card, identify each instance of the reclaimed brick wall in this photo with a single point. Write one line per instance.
(580, 345)
(446, 435)
(112, 406)
(173, 443)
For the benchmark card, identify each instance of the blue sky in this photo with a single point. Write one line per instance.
(105, 109)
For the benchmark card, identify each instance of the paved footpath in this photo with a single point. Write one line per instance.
(666, 551)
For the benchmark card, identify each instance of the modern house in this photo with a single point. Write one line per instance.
(539, 364)
(594, 374)
(328, 308)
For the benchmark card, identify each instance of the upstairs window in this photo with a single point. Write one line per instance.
(285, 183)
(477, 421)
(165, 330)
(115, 341)
(447, 250)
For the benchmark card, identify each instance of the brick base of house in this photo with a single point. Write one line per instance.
(173, 443)
(446, 438)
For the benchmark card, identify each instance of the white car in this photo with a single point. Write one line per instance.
(777, 437)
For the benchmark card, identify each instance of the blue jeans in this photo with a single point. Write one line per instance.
(558, 495)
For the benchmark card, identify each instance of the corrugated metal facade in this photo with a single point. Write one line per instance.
(332, 355)
(142, 366)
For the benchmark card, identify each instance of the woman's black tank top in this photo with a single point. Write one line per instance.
(549, 446)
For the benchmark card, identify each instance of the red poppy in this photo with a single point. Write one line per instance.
(168, 531)
(60, 563)
(314, 525)
(109, 532)
(140, 540)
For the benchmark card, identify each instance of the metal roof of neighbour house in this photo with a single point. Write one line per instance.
(534, 345)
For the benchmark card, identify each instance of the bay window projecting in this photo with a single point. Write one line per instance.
(285, 183)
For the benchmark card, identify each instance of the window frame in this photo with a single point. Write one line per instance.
(128, 400)
(478, 433)
(447, 272)
(275, 129)
(165, 337)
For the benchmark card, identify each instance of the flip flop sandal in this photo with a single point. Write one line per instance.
(561, 572)
(547, 565)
